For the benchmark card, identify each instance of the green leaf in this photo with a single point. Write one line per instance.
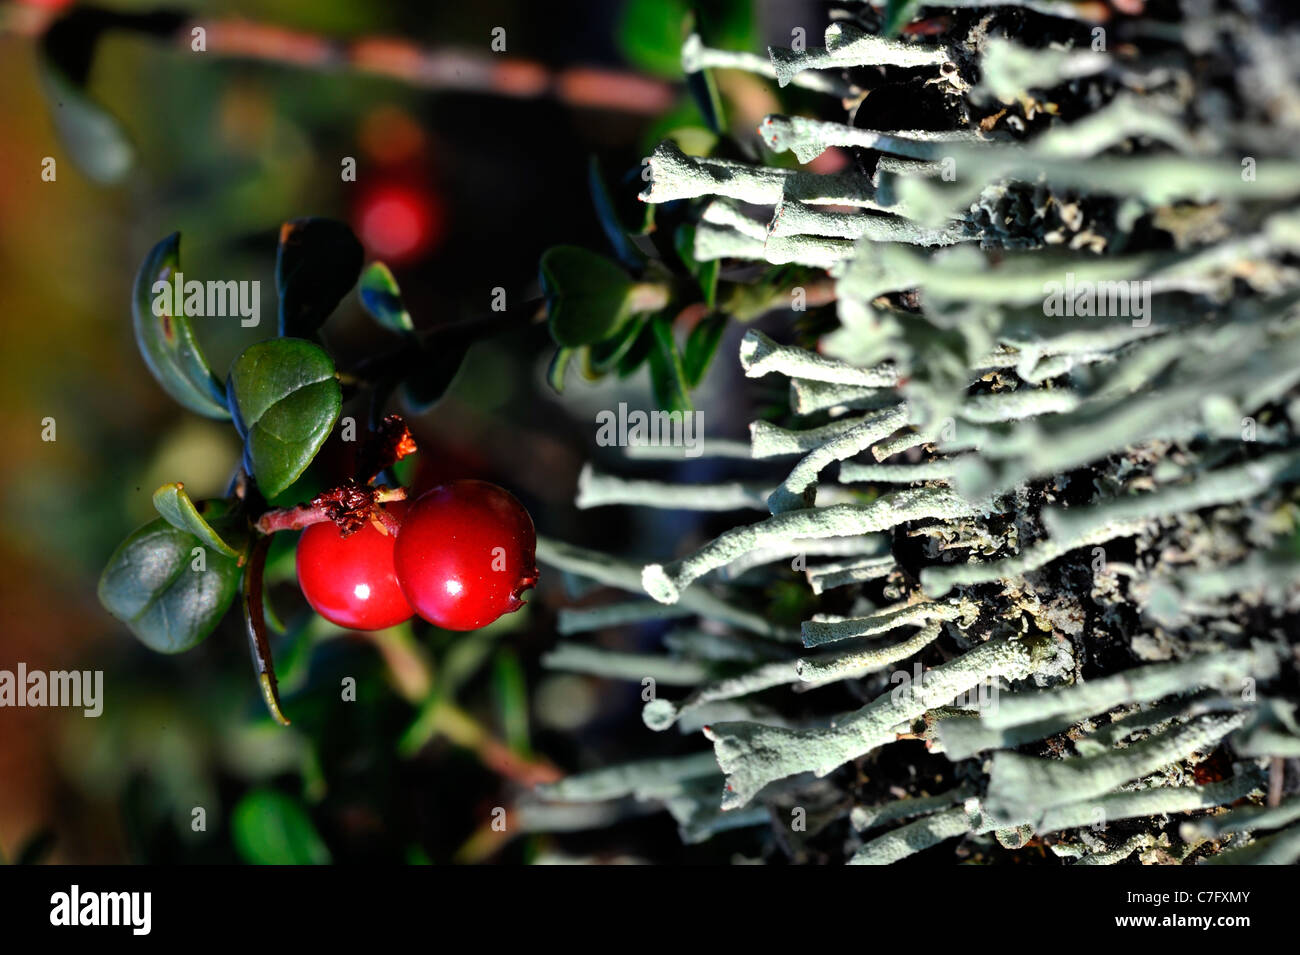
(667, 377)
(558, 366)
(706, 273)
(685, 126)
(94, 139)
(180, 512)
(650, 35)
(708, 279)
(704, 89)
(727, 24)
(152, 586)
(601, 358)
(511, 691)
(441, 358)
(317, 263)
(650, 32)
(167, 342)
(270, 828)
(584, 294)
(898, 13)
(381, 297)
(636, 355)
(610, 220)
(701, 345)
(588, 297)
(285, 400)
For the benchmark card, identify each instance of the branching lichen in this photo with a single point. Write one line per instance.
(1061, 380)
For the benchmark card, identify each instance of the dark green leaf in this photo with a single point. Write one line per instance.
(706, 273)
(167, 341)
(381, 297)
(558, 366)
(152, 586)
(636, 355)
(704, 89)
(650, 35)
(285, 400)
(701, 345)
(610, 221)
(270, 828)
(727, 24)
(441, 358)
(404, 471)
(708, 278)
(317, 263)
(599, 359)
(511, 691)
(180, 512)
(667, 377)
(588, 297)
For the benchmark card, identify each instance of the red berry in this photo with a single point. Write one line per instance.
(400, 222)
(466, 551)
(350, 580)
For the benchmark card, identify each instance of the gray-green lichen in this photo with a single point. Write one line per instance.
(1089, 511)
(753, 755)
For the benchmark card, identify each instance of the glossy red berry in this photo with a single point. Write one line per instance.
(350, 580)
(465, 553)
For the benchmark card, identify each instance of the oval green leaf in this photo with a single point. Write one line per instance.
(316, 264)
(382, 299)
(270, 828)
(284, 399)
(167, 341)
(94, 139)
(588, 297)
(178, 510)
(168, 587)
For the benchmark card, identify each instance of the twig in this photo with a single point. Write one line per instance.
(255, 625)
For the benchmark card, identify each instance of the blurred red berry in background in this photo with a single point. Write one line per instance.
(400, 222)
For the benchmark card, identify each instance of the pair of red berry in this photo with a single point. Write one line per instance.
(463, 554)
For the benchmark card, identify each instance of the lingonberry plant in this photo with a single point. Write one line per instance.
(173, 580)
(614, 317)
